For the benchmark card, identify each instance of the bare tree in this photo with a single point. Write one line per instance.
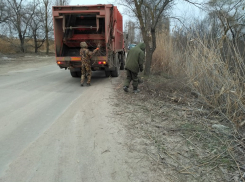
(231, 16)
(31, 19)
(47, 21)
(215, 30)
(130, 29)
(163, 24)
(3, 12)
(138, 36)
(19, 19)
(37, 27)
(148, 12)
(62, 2)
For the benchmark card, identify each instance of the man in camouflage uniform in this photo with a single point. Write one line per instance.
(86, 55)
(134, 64)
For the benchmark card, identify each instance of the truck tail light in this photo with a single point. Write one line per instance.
(102, 62)
(60, 62)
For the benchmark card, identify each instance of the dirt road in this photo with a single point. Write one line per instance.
(52, 129)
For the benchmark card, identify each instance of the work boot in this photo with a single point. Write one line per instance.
(88, 84)
(136, 90)
(125, 88)
(82, 80)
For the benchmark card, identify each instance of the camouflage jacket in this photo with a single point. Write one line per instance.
(86, 55)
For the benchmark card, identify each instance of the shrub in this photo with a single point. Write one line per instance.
(215, 70)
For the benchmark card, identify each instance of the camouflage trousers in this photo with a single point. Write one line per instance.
(86, 70)
(131, 76)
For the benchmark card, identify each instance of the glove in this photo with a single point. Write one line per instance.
(141, 70)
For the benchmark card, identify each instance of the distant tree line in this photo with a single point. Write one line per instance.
(224, 25)
(225, 19)
(28, 19)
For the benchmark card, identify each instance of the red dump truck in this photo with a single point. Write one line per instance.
(101, 23)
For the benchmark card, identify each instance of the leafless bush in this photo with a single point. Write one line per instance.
(215, 70)
(218, 79)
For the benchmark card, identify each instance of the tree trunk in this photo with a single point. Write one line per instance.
(47, 42)
(148, 60)
(153, 40)
(35, 41)
(46, 29)
(22, 43)
(150, 45)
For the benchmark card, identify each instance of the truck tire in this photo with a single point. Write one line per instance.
(79, 74)
(73, 73)
(115, 73)
(122, 62)
(122, 66)
(107, 73)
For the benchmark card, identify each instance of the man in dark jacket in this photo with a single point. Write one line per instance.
(134, 64)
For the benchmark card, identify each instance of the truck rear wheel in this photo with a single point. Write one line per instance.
(122, 62)
(107, 73)
(73, 73)
(79, 74)
(122, 66)
(115, 73)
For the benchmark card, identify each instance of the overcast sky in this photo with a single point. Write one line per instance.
(181, 10)
(91, 2)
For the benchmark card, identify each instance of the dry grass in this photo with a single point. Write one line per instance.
(176, 135)
(12, 46)
(6, 47)
(165, 58)
(214, 70)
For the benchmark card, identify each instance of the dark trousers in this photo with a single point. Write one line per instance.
(131, 76)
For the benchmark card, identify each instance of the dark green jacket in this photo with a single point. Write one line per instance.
(136, 58)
